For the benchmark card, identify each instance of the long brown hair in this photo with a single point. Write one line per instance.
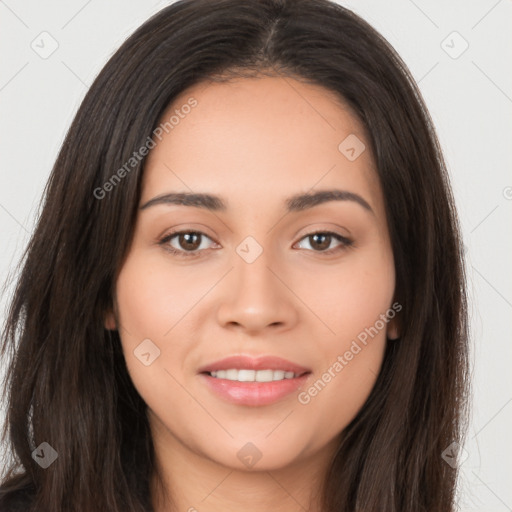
(67, 382)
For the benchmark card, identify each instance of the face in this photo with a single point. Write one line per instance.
(306, 284)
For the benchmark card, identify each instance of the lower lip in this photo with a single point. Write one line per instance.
(253, 393)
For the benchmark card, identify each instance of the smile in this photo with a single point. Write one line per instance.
(253, 375)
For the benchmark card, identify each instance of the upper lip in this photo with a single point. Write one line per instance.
(245, 362)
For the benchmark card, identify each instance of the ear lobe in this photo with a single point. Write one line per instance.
(110, 321)
(392, 330)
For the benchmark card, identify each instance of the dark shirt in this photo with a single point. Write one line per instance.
(18, 501)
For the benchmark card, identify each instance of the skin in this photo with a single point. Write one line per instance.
(255, 142)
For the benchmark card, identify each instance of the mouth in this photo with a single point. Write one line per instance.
(253, 381)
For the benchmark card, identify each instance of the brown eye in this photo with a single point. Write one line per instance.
(321, 241)
(185, 243)
(189, 241)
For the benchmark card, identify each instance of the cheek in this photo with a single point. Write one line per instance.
(351, 296)
(355, 307)
(150, 304)
(152, 296)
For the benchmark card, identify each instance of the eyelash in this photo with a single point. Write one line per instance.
(345, 243)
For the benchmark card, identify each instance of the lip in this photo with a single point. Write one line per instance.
(245, 362)
(253, 393)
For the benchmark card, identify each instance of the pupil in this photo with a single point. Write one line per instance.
(187, 237)
(325, 244)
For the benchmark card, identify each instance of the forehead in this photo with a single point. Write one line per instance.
(259, 136)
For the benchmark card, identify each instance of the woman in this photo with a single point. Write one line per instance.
(246, 284)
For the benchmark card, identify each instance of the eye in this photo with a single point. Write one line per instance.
(189, 243)
(322, 240)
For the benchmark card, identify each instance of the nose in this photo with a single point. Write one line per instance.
(256, 297)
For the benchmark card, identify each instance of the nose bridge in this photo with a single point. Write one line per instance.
(252, 267)
(255, 283)
(255, 296)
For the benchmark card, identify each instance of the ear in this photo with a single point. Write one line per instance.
(393, 330)
(110, 321)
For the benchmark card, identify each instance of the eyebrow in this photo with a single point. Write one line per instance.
(295, 203)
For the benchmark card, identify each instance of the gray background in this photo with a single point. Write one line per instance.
(469, 97)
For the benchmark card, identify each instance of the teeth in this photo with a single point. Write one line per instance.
(253, 375)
